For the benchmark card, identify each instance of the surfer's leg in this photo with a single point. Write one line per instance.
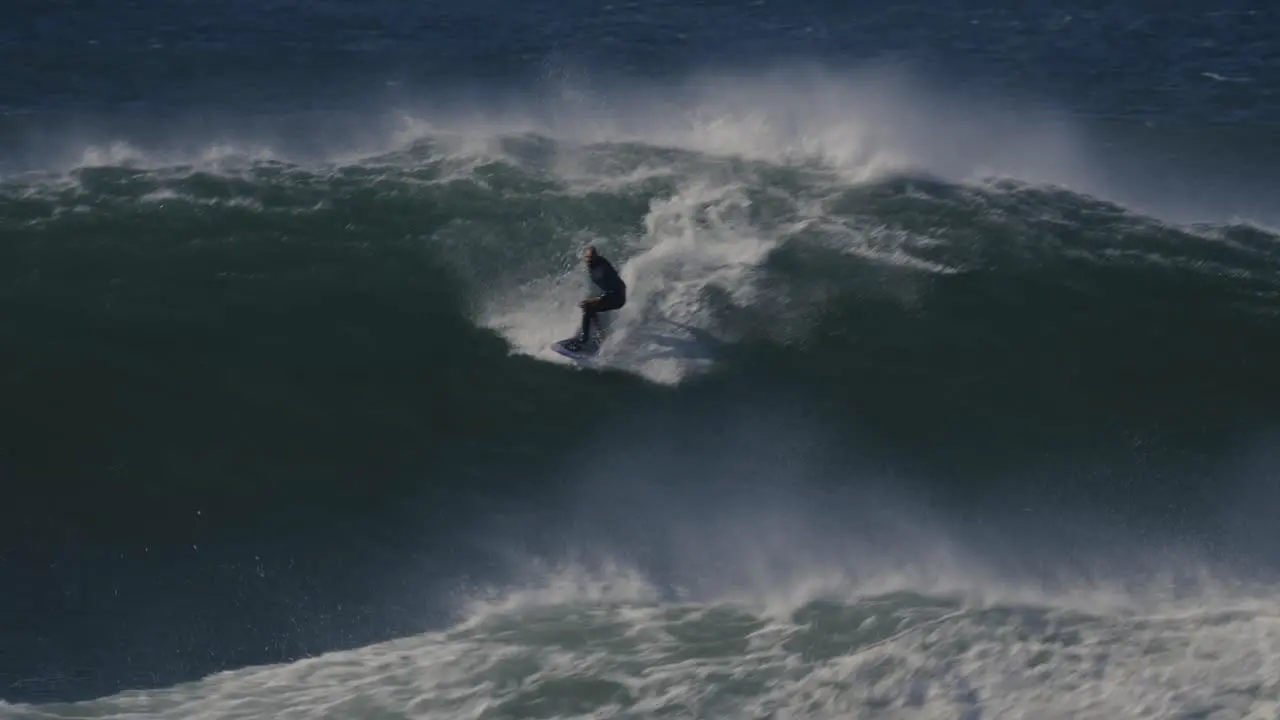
(588, 315)
(605, 304)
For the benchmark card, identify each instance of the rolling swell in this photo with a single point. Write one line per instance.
(1060, 319)
(330, 362)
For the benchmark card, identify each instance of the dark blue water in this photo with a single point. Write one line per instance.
(279, 281)
(1148, 61)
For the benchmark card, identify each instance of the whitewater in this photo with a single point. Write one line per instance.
(587, 646)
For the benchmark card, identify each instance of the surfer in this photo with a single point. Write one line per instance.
(613, 293)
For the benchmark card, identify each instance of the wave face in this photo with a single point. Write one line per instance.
(751, 257)
(925, 401)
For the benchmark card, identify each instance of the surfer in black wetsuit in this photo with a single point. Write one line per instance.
(613, 292)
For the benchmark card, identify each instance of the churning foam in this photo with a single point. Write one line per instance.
(695, 242)
(583, 647)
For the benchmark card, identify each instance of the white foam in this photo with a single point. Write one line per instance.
(219, 156)
(697, 240)
(863, 121)
(602, 647)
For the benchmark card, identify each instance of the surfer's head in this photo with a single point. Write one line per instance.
(589, 253)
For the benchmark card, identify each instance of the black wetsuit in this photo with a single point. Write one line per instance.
(613, 294)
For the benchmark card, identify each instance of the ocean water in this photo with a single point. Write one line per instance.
(944, 389)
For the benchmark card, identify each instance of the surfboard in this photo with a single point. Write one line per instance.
(563, 347)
